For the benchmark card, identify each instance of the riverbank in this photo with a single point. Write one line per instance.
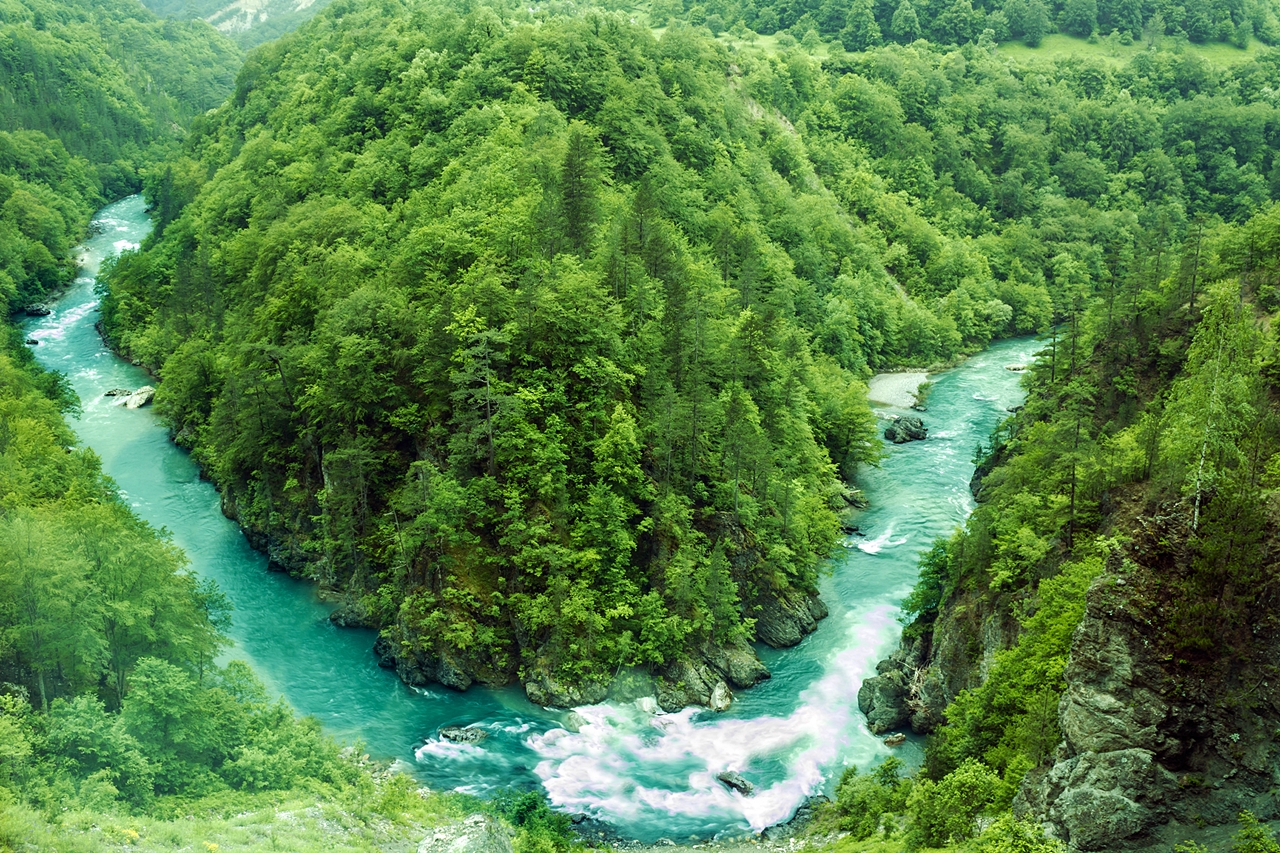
(900, 390)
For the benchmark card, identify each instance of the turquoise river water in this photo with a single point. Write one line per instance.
(649, 774)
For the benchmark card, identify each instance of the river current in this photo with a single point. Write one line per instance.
(652, 775)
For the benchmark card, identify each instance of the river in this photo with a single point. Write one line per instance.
(649, 774)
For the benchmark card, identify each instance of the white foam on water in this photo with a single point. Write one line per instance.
(447, 750)
(124, 245)
(627, 764)
(879, 543)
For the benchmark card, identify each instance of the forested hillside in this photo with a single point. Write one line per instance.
(861, 24)
(545, 337)
(85, 89)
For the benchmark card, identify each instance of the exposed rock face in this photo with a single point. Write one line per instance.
(706, 681)
(117, 392)
(785, 619)
(906, 429)
(352, 614)
(545, 689)
(915, 684)
(1144, 745)
(721, 697)
(38, 309)
(733, 779)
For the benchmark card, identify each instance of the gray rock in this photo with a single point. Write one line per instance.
(352, 614)
(38, 309)
(905, 429)
(1097, 801)
(140, 398)
(476, 834)
(463, 734)
(546, 690)
(883, 699)
(31, 342)
(733, 780)
(897, 739)
(118, 392)
(784, 620)
(721, 697)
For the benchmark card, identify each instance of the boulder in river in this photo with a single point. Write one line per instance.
(906, 429)
(463, 734)
(31, 342)
(140, 398)
(733, 780)
(895, 739)
(721, 697)
(117, 392)
(38, 309)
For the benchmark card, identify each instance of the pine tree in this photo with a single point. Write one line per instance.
(905, 26)
(860, 30)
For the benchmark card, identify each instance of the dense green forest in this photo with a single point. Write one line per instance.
(542, 335)
(545, 336)
(89, 94)
(1140, 478)
(114, 717)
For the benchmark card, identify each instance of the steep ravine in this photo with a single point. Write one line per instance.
(648, 773)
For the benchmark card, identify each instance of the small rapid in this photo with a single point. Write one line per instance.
(650, 774)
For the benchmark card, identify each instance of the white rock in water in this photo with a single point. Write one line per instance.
(721, 697)
(140, 398)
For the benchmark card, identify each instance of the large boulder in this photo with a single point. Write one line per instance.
(140, 398)
(733, 780)
(883, 698)
(38, 309)
(463, 734)
(906, 429)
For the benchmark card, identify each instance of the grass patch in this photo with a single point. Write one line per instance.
(389, 818)
(1060, 47)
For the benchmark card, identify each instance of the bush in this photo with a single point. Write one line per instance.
(862, 800)
(946, 812)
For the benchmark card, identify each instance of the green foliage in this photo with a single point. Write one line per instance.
(866, 803)
(538, 828)
(1253, 837)
(1008, 834)
(945, 812)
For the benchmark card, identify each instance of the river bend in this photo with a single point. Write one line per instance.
(650, 774)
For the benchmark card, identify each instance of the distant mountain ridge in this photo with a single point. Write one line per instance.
(247, 22)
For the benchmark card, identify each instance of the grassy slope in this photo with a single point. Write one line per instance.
(1058, 46)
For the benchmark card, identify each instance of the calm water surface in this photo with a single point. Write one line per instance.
(650, 774)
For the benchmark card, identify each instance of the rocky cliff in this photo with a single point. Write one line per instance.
(1158, 743)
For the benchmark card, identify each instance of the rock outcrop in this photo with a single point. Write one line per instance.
(783, 620)
(707, 679)
(934, 662)
(1154, 747)
(906, 429)
(733, 780)
(463, 734)
(38, 309)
